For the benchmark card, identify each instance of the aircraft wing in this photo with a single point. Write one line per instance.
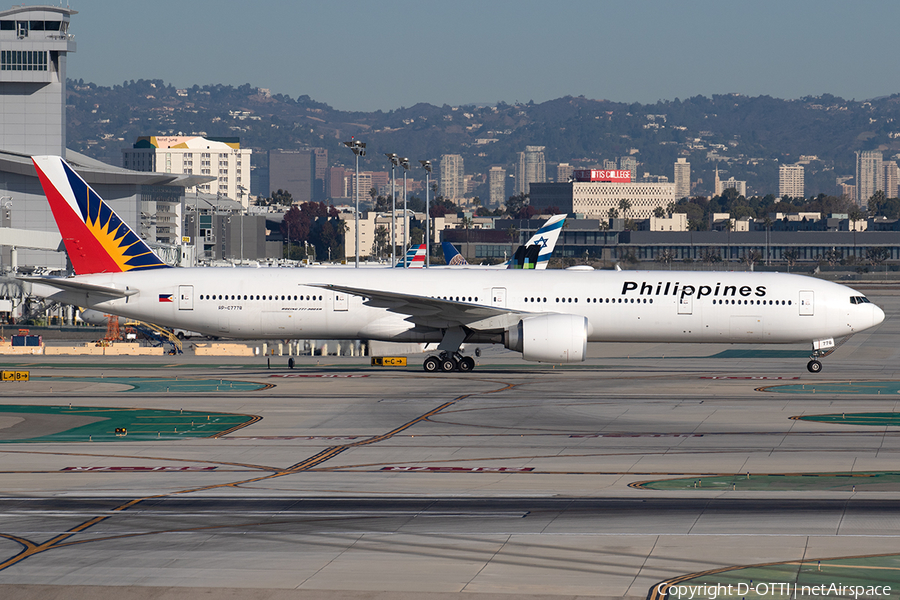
(435, 312)
(70, 285)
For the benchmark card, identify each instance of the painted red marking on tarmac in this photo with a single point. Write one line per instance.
(461, 469)
(752, 378)
(635, 435)
(139, 469)
(301, 375)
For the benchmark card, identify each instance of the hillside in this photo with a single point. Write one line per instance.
(747, 137)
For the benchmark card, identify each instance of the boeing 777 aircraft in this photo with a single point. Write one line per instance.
(548, 316)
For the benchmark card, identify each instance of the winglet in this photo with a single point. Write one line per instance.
(96, 239)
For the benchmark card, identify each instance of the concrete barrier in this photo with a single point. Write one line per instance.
(222, 350)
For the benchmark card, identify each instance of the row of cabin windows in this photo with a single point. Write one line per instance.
(758, 302)
(252, 297)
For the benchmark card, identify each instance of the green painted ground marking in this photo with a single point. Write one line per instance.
(866, 571)
(142, 425)
(864, 481)
(172, 385)
(839, 387)
(873, 419)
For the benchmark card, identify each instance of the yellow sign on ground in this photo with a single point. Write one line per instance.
(388, 361)
(15, 375)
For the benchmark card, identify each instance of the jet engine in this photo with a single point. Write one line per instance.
(549, 338)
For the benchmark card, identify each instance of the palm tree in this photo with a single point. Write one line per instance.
(625, 206)
(659, 212)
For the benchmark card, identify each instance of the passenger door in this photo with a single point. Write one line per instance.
(498, 297)
(185, 297)
(807, 303)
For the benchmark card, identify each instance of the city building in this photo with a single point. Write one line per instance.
(595, 192)
(452, 178)
(791, 181)
(34, 45)
(682, 178)
(297, 172)
(891, 178)
(869, 175)
(629, 163)
(530, 168)
(729, 184)
(221, 158)
(564, 172)
(497, 186)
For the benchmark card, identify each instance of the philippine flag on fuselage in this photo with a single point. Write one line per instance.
(165, 298)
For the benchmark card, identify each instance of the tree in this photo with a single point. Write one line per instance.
(282, 197)
(514, 204)
(665, 256)
(381, 241)
(790, 257)
(752, 256)
(624, 206)
(877, 255)
(659, 212)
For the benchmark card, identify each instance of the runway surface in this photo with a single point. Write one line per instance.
(515, 479)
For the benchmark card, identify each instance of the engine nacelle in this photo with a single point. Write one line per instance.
(550, 338)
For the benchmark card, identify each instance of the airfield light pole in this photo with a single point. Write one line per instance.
(395, 160)
(426, 164)
(359, 149)
(404, 162)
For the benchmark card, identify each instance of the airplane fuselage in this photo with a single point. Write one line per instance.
(625, 306)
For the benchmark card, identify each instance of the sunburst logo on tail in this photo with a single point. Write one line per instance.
(96, 239)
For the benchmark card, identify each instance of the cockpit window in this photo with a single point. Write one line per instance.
(859, 300)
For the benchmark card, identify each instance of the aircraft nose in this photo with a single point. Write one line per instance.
(877, 315)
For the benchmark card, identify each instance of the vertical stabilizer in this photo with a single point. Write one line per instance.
(96, 239)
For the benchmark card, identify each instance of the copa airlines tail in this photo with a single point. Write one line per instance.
(96, 239)
(525, 256)
(548, 316)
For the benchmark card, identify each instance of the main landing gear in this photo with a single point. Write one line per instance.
(448, 362)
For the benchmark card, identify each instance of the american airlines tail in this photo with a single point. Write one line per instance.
(525, 257)
(96, 239)
(414, 259)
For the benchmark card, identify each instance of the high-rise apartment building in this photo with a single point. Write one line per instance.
(530, 168)
(452, 181)
(869, 175)
(564, 172)
(222, 158)
(891, 178)
(610, 164)
(682, 178)
(497, 186)
(791, 181)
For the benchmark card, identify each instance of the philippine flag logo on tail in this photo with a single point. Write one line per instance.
(165, 298)
(96, 239)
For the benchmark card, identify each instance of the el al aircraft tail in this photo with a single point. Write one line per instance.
(545, 238)
(414, 259)
(96, 239)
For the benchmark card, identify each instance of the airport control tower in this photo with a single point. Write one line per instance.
(34, 42)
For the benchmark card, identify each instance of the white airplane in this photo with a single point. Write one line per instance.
(548, 316)
(533, 254)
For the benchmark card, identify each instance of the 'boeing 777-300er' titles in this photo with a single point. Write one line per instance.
(548, 316)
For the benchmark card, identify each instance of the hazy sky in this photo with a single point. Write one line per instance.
(369, 55)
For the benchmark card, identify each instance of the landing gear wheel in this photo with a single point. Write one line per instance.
(814, 366)
(431, 364)
(291, 363)
(466, 364)
(448, 364)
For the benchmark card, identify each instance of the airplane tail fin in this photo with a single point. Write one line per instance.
(414, 259)
(452, 255)
(546, 238)
(96, 239)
